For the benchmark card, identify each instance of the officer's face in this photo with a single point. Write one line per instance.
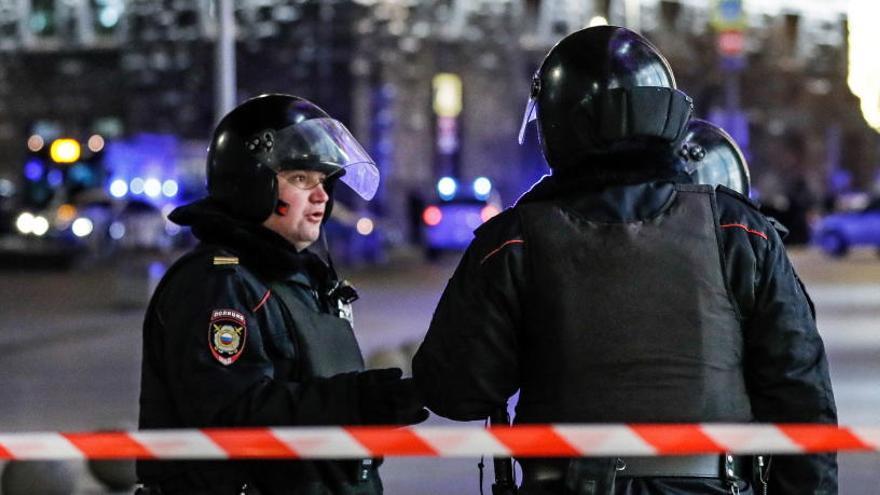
(304, 193)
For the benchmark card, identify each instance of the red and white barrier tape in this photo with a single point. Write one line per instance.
(443, 441)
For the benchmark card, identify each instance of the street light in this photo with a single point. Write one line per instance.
(864, 70)
(64, 150)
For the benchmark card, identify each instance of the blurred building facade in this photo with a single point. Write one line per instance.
(150, 66)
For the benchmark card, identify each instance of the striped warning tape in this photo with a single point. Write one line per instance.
(568, 440)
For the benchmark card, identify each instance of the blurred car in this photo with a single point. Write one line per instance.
(7, 206)
(837, 233)
(448, 223)
(49, 238)
(142, 226)
(92, 229)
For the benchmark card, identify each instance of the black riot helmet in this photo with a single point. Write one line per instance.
(601, 91)
(714, 158)
(275, 132)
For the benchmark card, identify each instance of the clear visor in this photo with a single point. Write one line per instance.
(325, 145)
(529, 115)
(724, 168)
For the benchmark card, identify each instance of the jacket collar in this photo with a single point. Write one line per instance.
(606, 203)
(257, 247)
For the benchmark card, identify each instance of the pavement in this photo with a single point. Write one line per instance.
(70, 350)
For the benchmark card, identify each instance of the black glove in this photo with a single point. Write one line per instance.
(387, 399)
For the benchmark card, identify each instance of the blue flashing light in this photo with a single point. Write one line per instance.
(55, 177)
(155, 270)
(80, 173)
(446, 187)
(482, 187)
(34, 169)
(118, 188)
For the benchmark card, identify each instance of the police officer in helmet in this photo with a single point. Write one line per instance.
(713, 157)
(253, 326)
(618, 291)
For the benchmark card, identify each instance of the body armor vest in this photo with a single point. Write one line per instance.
(326, 342)
(630, 321)
(326, 346)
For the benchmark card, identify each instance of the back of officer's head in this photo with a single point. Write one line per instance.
(606, 104)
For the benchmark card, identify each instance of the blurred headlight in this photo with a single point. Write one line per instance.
(447, 186)
(170, 188)
(25, 223)
(40, 226)
(118, 188)
(82, 227)
(482, 187)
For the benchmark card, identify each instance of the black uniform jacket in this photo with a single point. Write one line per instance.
(474, 358)
(219, 351)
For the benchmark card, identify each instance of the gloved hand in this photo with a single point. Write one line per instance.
(387, 399)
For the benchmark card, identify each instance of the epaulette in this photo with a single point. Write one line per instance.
(736, 194)
(224, 262)
(780, 229)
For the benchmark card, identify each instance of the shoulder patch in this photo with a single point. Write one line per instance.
(225, 260)
(730, 192)
(227, 334)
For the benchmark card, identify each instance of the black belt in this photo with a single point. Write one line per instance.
(697, 466)
(244, 489)
(181, 486)
(726, 467)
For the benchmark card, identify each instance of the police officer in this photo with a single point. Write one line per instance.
(713, 157)
(252, 327)
(615, 291)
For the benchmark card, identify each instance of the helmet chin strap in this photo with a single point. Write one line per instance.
(281, 208)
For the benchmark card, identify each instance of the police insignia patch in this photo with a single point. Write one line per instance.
(227, 333)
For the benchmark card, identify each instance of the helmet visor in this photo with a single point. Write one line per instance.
(528, 115)
(326, 145)
(725, 167)
(722, 161)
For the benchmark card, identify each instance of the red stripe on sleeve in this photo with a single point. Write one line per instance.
(110, 445)
(262, 301)
(499, 248)
(741, 226)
